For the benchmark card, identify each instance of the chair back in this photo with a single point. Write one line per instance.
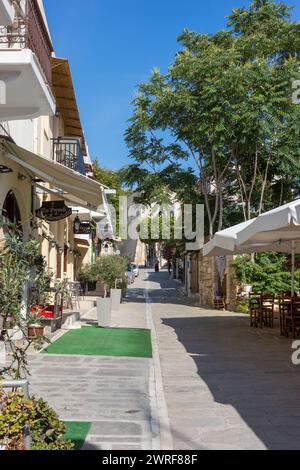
(254, 300)
(296, 307)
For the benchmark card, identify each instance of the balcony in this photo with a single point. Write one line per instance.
(25, 66)
(7, 12)
(68, 152)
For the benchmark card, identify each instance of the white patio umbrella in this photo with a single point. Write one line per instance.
(277, 230)
(224, 242)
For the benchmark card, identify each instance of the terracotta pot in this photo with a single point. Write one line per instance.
(35, 331)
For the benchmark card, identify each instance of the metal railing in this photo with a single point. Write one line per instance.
(67, 152)
(29, 32)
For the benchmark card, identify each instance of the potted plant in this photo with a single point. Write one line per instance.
(112, 269)
(35, 328)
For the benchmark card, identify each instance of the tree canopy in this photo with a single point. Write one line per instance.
(221, 126)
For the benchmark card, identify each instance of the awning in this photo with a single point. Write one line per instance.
(56, 174)
(64, 92)
(86, 215)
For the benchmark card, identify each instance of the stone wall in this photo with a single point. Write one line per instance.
(206, 281)
(232, 286)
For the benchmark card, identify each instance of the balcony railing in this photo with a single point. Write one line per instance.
(68, 152)
(29, 32)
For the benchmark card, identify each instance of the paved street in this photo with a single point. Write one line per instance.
(213, 383)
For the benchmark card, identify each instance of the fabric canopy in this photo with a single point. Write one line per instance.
(224, 242)
(277, 230)
(278, 226)
(87, 215)
(56, 174)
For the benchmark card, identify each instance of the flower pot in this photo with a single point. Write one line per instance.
(115, 295)
(35, 331)
(104, 312)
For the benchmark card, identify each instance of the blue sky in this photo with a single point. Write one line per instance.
(113, 45)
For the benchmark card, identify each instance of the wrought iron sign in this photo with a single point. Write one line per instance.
(84, 228)
(54, 211)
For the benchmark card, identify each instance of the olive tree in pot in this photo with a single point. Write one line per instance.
(111, 270)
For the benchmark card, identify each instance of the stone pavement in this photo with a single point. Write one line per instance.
(112, 393)
(213, 383)
(226, 385)
(115, 394)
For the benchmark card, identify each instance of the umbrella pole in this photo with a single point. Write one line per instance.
(293, 268)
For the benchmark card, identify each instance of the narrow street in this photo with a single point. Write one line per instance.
(213, 383)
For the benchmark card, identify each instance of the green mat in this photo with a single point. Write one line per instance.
(94, 341)
(77, 433)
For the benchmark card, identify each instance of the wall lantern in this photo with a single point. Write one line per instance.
(77, 224)
(60, 249)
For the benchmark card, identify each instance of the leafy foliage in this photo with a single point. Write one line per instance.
(268, 274)
(221, 127)
(20, 264)
(110, 269)
(47, 431)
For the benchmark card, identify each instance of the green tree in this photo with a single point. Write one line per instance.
(223, 117)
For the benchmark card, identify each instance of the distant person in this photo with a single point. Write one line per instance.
(170, 268)
(157, 266)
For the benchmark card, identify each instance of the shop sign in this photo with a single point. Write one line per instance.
(54, 211)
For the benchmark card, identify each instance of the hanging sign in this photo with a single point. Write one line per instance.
(85, 228)
(54, 211)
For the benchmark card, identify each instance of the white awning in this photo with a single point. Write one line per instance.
(86, 215)
(56, 174)
(279, 226)
(224, 242)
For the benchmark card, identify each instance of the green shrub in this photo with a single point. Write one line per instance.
(268, 273)
(243, 306)
(47, 431)
(109, 269)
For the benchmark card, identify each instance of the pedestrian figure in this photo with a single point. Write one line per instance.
(157, 266)
(170, 268)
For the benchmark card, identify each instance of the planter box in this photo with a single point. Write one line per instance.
(115, 295)
(104, 312)
(35, 332)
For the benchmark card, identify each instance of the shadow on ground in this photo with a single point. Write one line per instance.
(248, 369)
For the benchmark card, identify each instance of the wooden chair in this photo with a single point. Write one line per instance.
(285, 305)
(255, 310)
(220, 303)
(267, 309)
(292, 319)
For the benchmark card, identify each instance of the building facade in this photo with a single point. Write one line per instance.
(46, 176)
